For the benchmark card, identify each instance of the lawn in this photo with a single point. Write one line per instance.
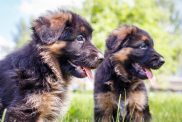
(165, 107)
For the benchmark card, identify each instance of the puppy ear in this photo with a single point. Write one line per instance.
(47, 30)
(118, 37)
(112, 42)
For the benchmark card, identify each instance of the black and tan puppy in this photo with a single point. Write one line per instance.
(128, 59)
(34, 80)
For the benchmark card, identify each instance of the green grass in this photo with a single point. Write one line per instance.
(3, 116)
(165, 107)
(81, 109)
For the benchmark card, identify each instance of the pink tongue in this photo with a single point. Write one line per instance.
(149, 73)
(150, 76)
(88, 73)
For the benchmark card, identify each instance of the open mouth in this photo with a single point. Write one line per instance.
(81, 71)
(142, 72)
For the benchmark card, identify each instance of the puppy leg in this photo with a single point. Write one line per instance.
(146, 114)
(21, 112)
(138, 108)
(105, 105)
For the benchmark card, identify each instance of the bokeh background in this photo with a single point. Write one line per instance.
(161, 18)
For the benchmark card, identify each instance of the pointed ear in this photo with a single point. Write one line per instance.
(118, 37)
(47, 30)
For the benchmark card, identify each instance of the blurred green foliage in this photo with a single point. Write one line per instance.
(23, 35)
(81, 108)
(152, 15)
(164, 107)
(158, 17)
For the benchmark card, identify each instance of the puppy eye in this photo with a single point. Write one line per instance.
(143, 46)
(80, 38)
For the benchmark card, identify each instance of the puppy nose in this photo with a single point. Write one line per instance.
(100, 57)
(161, 61)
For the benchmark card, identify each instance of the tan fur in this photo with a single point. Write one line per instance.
(121, 55)
(136, 84)
(49, 52)
(54, 22)
(144, 38)
(123, 31)
(54, 103)
(106, 102)
(56, 47)
(50, 104)
(137, 99)
(82, 28)
(138, 116)
(134, 100)
(120, 71)
(52, 61)
(59, 19)
(119, 58)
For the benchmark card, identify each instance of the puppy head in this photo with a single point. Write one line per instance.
(68, 37)
(133, 48)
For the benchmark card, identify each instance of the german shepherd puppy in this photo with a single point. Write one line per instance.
(119, 87)
(34, 80)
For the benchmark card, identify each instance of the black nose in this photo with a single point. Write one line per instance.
(161, 61)
(100, 57)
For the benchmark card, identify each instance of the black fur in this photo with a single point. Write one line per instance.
(26, 72)
(117, 78)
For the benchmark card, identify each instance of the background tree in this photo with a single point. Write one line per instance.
(23, 34)
(151, 15)
(159, 17)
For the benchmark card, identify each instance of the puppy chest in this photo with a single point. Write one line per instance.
(50, 105)
(133, 100)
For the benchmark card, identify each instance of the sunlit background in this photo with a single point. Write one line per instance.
(161, 18)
